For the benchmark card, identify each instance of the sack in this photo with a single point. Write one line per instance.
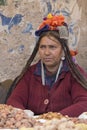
(11, 88)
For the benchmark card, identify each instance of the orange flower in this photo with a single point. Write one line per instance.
(73, 53)
(52, 21)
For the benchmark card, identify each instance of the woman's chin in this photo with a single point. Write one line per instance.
(48, 63)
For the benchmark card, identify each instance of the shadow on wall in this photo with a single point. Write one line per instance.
(4, 88)
(2, 2)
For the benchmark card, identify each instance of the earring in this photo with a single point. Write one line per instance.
(63, 58)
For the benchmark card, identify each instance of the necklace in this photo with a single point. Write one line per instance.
(43, 73)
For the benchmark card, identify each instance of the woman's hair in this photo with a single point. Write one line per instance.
(64, 43)
(72, 66)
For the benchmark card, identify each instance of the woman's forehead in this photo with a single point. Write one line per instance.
(49, 38)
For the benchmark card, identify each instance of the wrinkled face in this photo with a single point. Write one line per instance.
(50, 51)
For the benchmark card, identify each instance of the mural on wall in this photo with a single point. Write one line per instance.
(10, 21)
(18, 21)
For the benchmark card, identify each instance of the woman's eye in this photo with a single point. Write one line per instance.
(52, 47)
(42, 47)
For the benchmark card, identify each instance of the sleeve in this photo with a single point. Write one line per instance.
(79, 98)
(19, 96)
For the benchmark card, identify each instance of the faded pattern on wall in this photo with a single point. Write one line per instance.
(20, 18)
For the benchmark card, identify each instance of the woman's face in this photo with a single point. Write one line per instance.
(50, 51)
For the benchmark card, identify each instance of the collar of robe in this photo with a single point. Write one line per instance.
(43, 72)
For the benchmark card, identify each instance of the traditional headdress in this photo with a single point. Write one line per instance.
(55, 22)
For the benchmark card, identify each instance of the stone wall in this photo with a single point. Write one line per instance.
(20, 18)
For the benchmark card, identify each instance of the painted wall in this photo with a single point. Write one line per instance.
(20, 18)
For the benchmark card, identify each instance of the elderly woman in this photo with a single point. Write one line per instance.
(55, 83)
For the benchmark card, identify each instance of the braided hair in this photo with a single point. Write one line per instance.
(64, 43)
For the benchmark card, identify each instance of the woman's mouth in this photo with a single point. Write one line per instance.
(48, 59)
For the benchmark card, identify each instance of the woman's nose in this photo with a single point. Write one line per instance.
(47, 51)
